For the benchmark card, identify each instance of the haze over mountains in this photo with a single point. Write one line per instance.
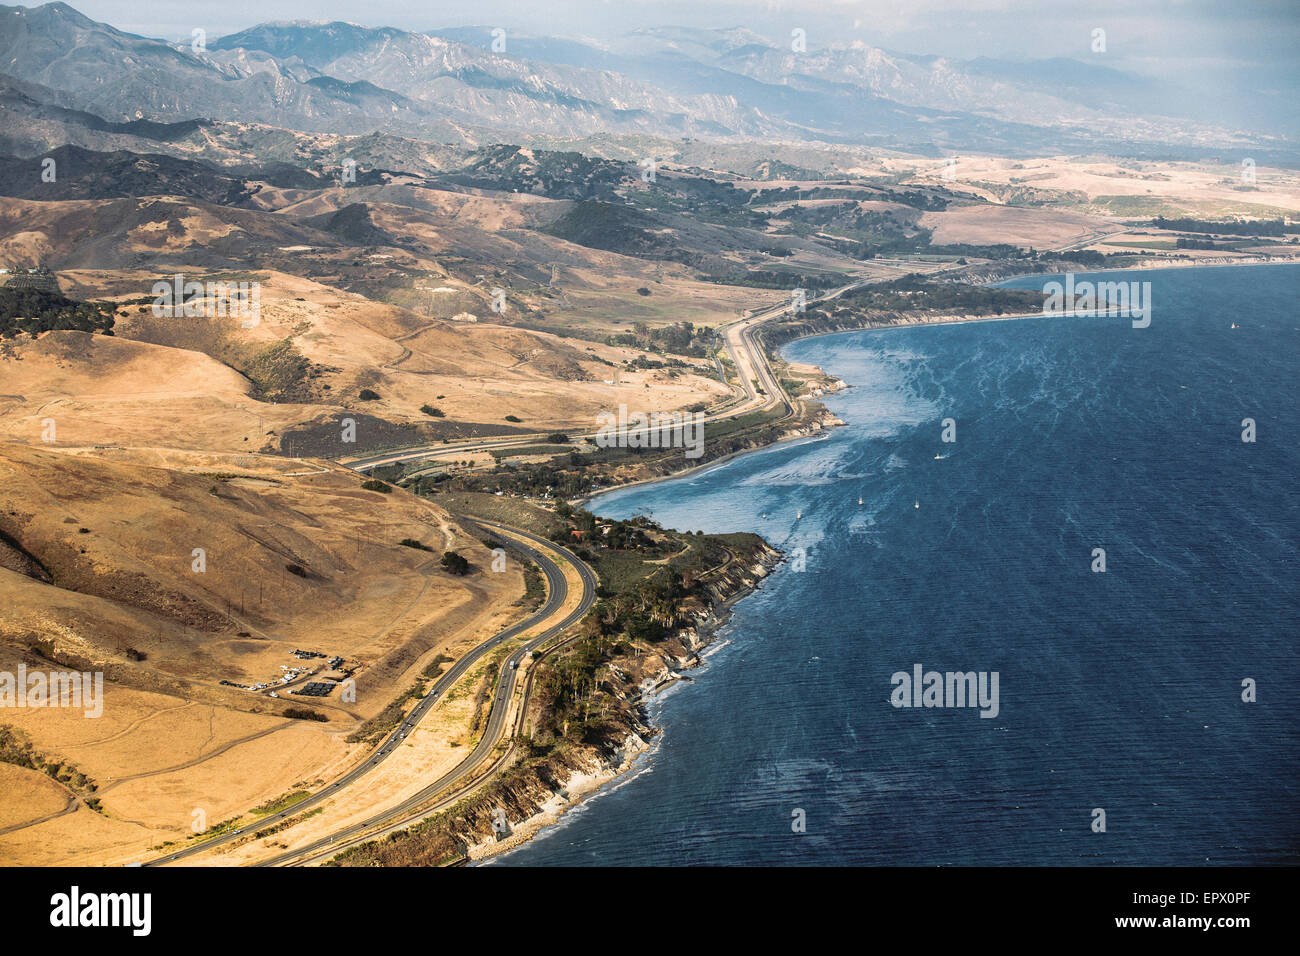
(450, 87)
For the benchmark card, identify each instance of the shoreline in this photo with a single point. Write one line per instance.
(584, 785)
(581, 786)
(939, 321)
(708, 465)
(577, 790)
(1150, 265)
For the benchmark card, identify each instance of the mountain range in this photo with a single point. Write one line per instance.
(451, 87)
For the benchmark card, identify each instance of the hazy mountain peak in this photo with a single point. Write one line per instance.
(668, 81)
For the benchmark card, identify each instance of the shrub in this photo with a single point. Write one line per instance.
(643, 291)
(512, 418)
(557, 438)
(302, 713)
(373, 485)
(412, 543)
(366, 395)
(434, 667)
(430, 410)
(280, 372)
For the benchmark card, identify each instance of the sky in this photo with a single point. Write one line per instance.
(1163, 38)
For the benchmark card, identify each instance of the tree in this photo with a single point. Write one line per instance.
(453, 563)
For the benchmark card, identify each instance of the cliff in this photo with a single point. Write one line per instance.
(571, 745)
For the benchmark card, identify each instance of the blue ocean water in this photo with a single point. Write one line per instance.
(1119, 690)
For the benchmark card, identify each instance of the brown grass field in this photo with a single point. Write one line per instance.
(124, 599)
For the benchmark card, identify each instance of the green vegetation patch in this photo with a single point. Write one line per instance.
(16, 749)
(383, 722)
(280, 372)
(434, 667)
(281, 803)
(1230, 227)
(39, 310)
(454, 563)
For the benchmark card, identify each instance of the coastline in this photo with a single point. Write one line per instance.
(575, 791)
(795, 435)
(964, 319)
(1147, 265)
(587, 834)
(584, 783)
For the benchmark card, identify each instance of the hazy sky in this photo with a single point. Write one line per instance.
(1150, 36)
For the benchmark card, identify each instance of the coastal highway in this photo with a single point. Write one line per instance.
(742, 346)
(496, 724)
(557, 595)
(746, 355)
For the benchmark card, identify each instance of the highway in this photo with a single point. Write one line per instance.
(746, 355)
(751, 365)
(762, 390)
(557, 595)
(501, 700)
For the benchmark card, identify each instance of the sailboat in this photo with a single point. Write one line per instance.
(1235, 325)
(859, 500)
(798, 515)
(918, 504)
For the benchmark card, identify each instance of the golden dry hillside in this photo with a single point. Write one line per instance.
(171, 572)
(207, 383)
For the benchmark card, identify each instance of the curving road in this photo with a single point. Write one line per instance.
(557, 594)
(496, 724)
(746, 355)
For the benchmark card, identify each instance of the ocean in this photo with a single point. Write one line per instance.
(1119, 691)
